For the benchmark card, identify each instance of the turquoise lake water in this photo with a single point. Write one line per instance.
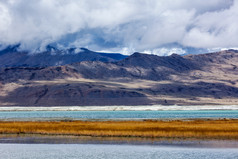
(5, 115)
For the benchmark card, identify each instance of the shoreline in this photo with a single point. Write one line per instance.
(62, 119)
(67, 139)
(122, 108)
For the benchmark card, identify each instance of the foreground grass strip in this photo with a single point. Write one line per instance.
(201, 129)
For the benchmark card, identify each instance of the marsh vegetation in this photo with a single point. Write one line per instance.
(200, 129)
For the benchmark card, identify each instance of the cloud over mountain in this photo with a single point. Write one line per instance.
(129, 25)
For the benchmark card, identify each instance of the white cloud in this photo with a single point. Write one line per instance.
(165, 51)
(214, 29)
(5, 19)
(125, 25)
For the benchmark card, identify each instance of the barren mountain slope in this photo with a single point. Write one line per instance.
(136, 80)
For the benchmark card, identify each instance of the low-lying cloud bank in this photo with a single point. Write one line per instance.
(150, 26)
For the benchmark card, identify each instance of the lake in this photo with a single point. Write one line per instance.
(108, 151)
(63, 147)
(123, 115)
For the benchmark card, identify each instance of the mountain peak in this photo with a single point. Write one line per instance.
(84, 49)
(10, 48)
(175, 55)
(233, 50)
(50, 48)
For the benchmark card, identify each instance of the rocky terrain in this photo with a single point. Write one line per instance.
(139, 79)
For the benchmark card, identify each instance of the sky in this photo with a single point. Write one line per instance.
(159, 27)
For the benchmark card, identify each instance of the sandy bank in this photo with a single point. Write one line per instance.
(122, 108)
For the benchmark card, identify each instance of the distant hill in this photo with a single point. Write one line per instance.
(10, 57)
(139, 79)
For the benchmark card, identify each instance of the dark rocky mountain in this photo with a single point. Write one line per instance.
(136, 66)
(9, 49)
(11, 57)
(139, 79)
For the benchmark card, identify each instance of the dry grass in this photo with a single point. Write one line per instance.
(201, 129)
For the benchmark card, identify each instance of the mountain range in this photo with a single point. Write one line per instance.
(10, 57)
(82, 77)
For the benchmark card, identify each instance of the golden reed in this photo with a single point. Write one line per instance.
(200, 129)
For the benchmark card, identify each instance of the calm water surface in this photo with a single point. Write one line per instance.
(4, 115)
(85, 151)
